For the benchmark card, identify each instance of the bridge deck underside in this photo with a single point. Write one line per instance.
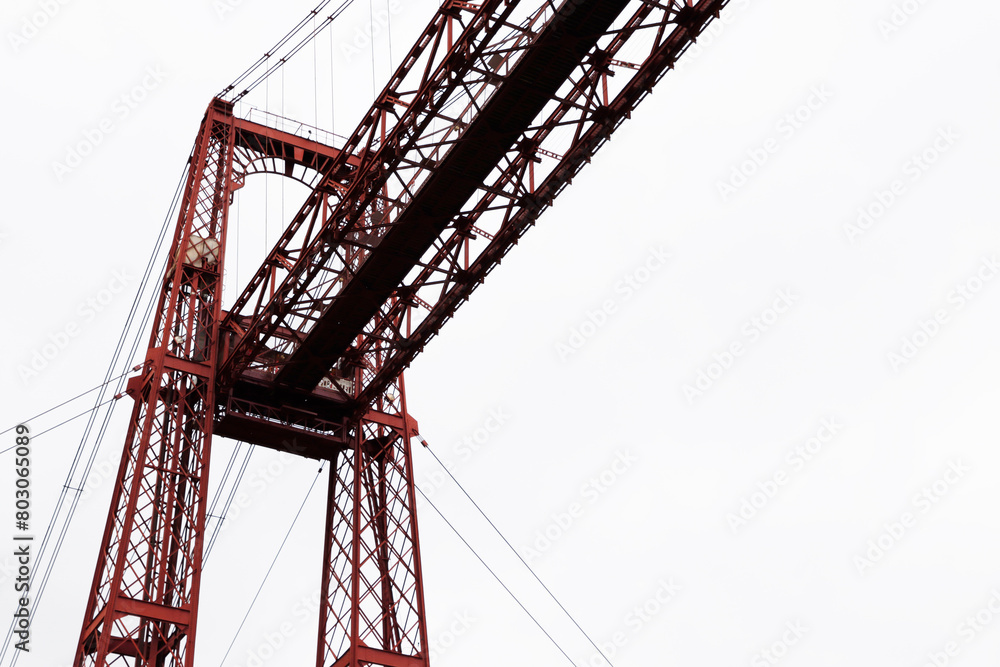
(530, 86)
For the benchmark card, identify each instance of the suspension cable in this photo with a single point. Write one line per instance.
(280, 62)
(228, 504)
(46, 571)
(515, 552)
(52, 428)
(275, 560)
(495, 576)
(42, 414)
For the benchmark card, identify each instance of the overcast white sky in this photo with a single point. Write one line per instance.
(746, 169)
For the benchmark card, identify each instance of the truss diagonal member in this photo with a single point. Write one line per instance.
(143, 603)
(539, 71)
(665, 33)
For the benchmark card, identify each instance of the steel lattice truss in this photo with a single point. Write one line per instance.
(342, 244)
(491, 114)
(371, 553)
(144, 597)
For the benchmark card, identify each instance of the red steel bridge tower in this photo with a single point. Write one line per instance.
(490, 114)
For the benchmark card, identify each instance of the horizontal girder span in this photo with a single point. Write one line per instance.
(520, 212)
(439, 198)
(515, 72)
(348, 226)
(527, 89)
(255, 142)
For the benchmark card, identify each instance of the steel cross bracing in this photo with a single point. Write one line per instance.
(144, 598)
(491, 114)
(483, 124)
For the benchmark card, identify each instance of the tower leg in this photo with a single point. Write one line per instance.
(143, 601)
(372, 604)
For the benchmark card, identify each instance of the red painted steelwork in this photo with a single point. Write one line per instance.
(490, 115)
